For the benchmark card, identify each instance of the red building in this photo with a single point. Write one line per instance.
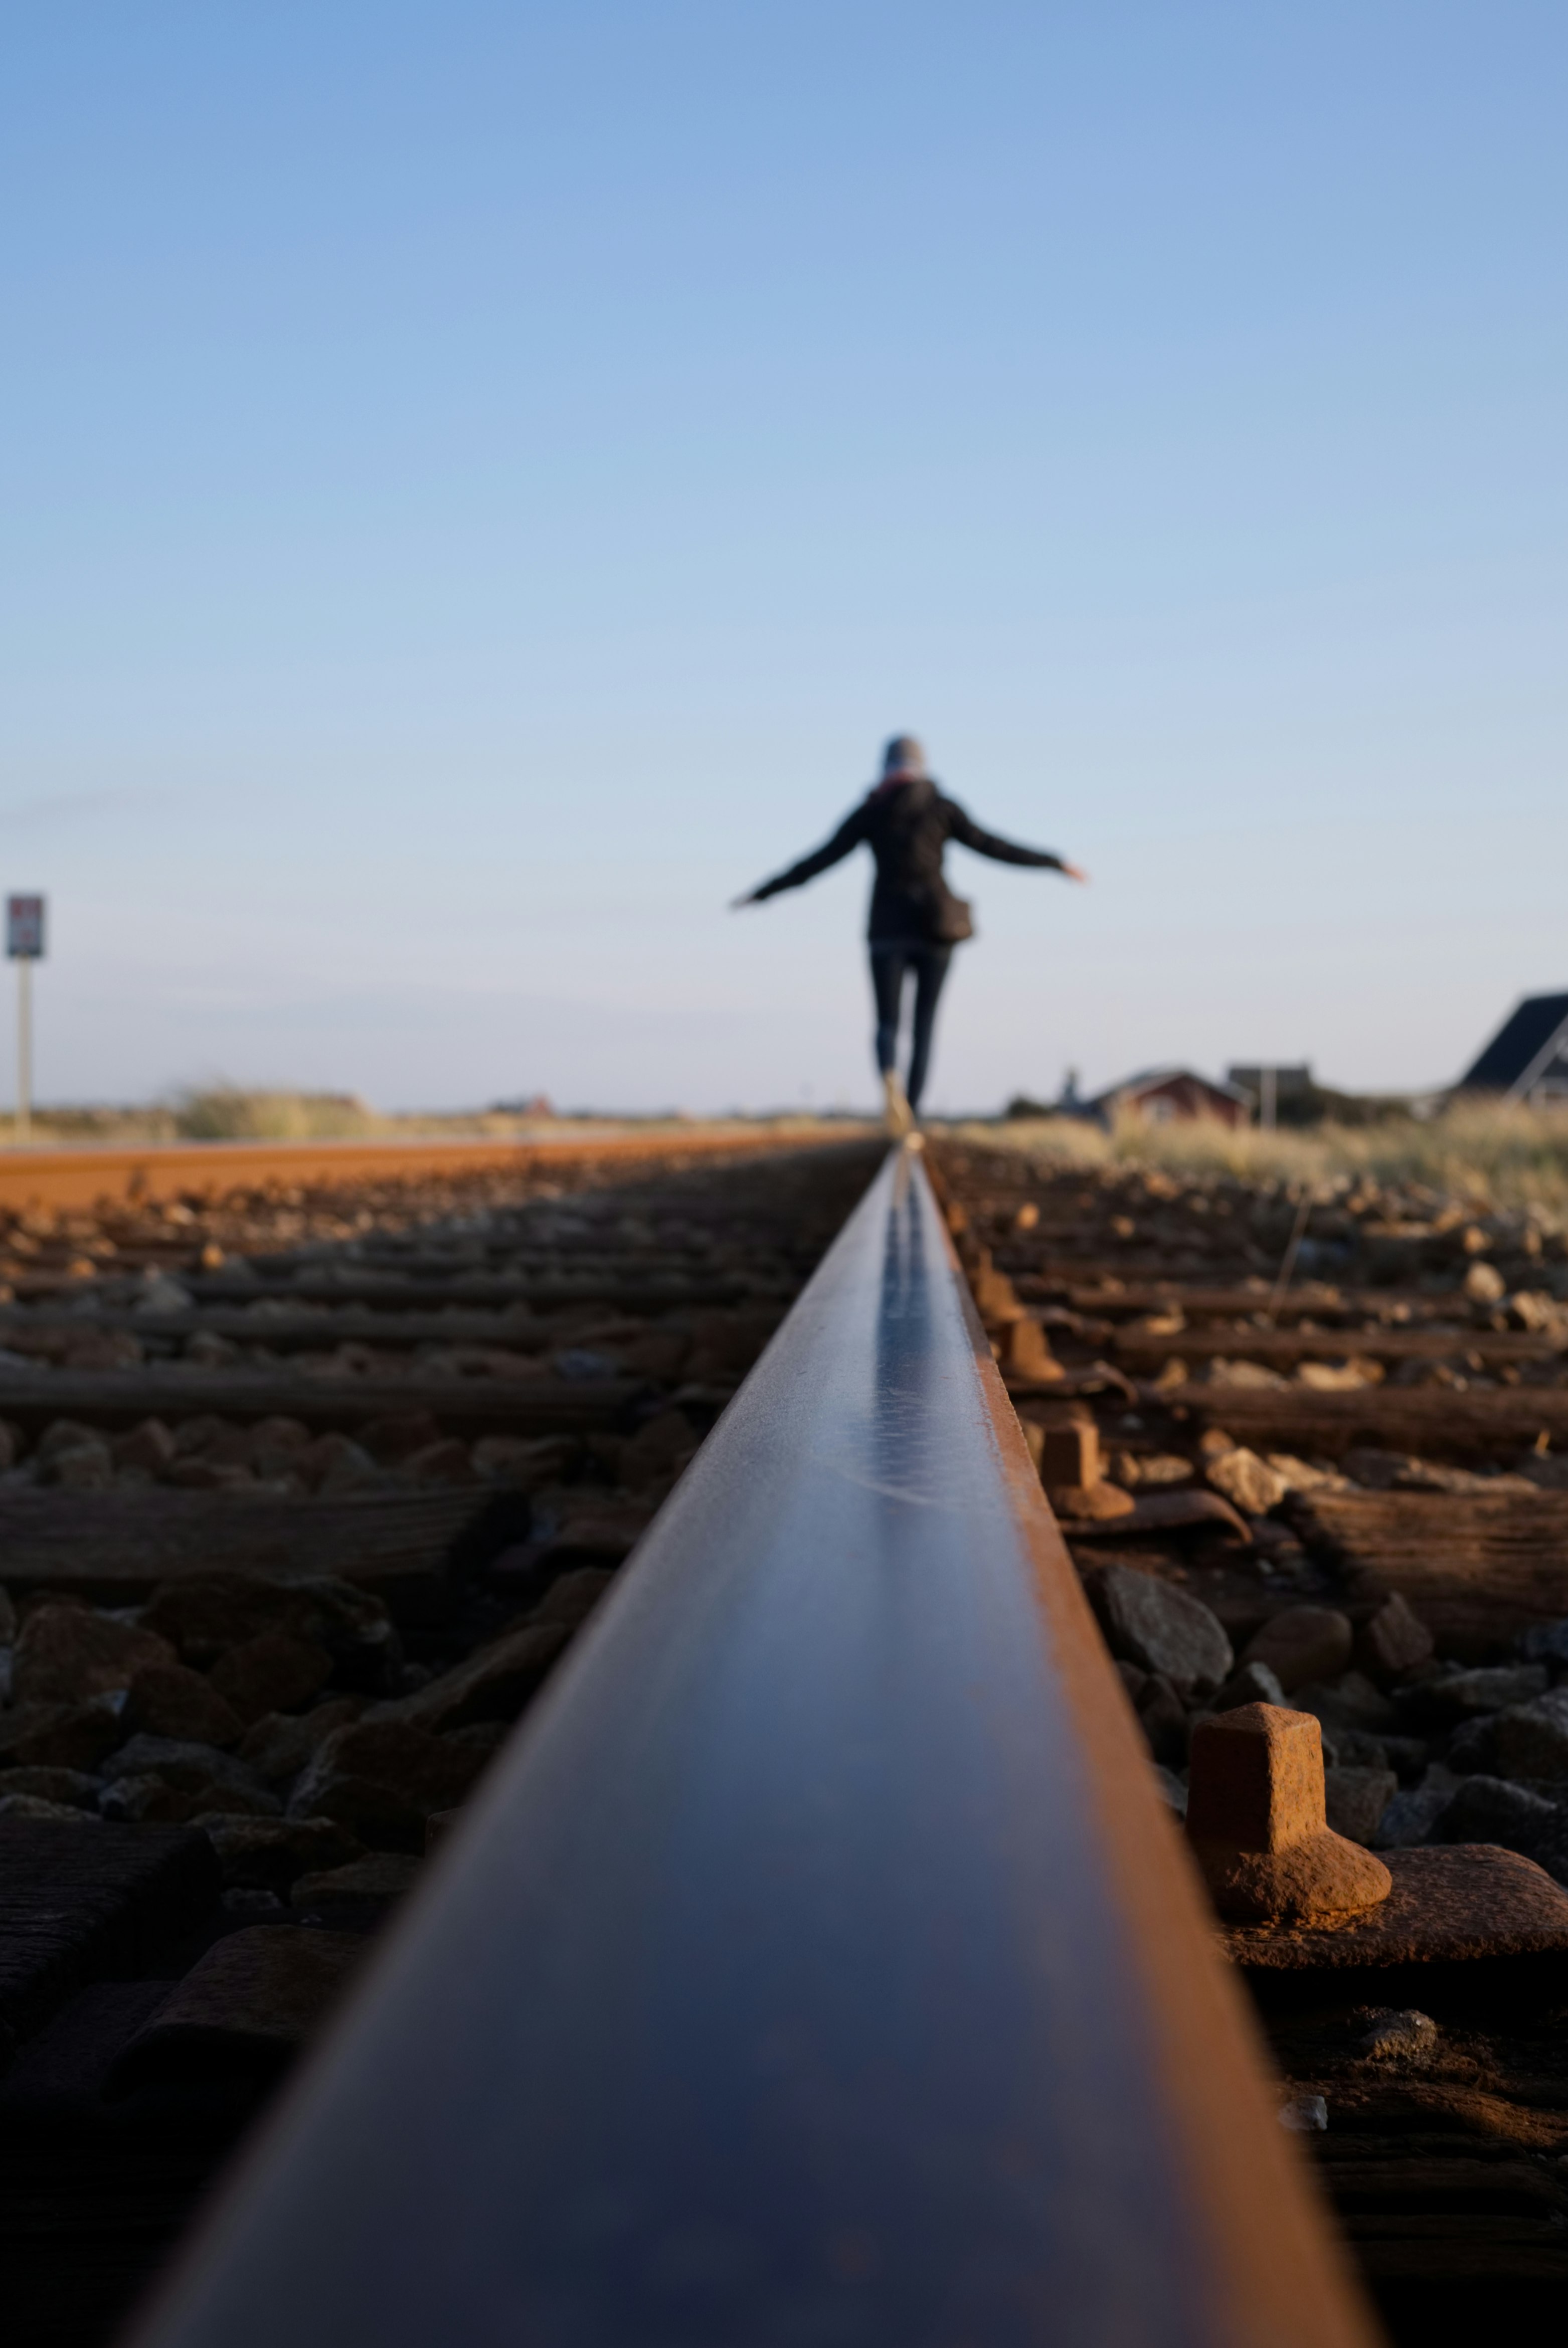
(1170, 1094)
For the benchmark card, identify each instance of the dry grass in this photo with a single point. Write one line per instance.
(1484, 1158)
(224, 1112)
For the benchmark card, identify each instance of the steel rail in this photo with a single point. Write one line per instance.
(819, 1965)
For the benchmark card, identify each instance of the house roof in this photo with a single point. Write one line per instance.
(1522, 1047)
(1147, 1078)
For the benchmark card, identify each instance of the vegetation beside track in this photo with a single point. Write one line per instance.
(1506, 1156)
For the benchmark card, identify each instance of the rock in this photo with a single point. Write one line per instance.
(85, 1467)
(1391, 1642)
(1491, 1810)
(1338, 1377)
(255, 1906)
(195, 1778)
(1301, 1476)
(172, 1700)
(1301, 1644)
(1535, 1309)
(1304, 2114)
(397, 1435)
(269, 1854)
(1158, 1627)
(1159, 1469)
(1406, 1755)
(203, 1474)
(1545, 1642)
(275, 1449)
(521, 1464)
(1164, 1722)
(7, 1620)
(1552, 1852)
(144, 1798)
(335, 1463)
(1413, 1816)
(382, 1875)
(1351, 1702)
(245, 2008)
(1531, 1740)
(63, 1434)
(437, 1827)
(1221, 1372)
(1473, 1747)
(493, 1683)
(149, 1445)
(1257, 1825)
(658, 1446)
(1484, 1284)
(484, 1738)
(60, 1736)
(1252, 1683)
(76, 1788)
(206, 1614)
(1171, 1790)
(1399, 2035)
(1133, 1680)
(158, 1293)
(382, 1778)
(1356, 1799)
(280, 1745)
(1245, 1481)
(1444, 1703)
(277, 1671)
(66, 1655)
(445, 1461)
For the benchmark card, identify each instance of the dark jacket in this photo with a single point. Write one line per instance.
(906, 827)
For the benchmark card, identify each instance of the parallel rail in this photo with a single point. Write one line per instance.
(819, 1965)
(90, 1177)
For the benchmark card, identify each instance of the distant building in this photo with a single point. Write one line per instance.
(1289, 1083)
(534, 1105)
(1168, 1095)
(1269, 1087)
(1527, 1059)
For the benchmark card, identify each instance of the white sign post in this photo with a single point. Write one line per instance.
(25, 945)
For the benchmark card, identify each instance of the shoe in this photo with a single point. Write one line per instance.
(896, 1115)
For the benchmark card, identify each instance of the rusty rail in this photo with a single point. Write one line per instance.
(819, 1963)
(91, 1177)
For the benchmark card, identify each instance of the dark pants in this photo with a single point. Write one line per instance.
(890, 966)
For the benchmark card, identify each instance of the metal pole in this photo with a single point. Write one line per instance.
(23, 1048)
(1269, 1088)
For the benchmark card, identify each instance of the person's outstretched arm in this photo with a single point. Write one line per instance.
(848, 835)
(1005, 852)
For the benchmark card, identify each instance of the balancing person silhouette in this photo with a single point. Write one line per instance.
(915, 919)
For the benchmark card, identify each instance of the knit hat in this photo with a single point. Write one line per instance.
(903, 760)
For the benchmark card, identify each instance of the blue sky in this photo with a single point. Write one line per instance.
(479, 482)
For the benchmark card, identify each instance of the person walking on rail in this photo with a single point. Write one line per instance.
(915, 919)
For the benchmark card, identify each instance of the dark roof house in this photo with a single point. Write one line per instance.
(1527, 1059)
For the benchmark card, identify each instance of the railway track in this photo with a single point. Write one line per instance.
(1388, 1438)
(823, 1958)
(307, 1485)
